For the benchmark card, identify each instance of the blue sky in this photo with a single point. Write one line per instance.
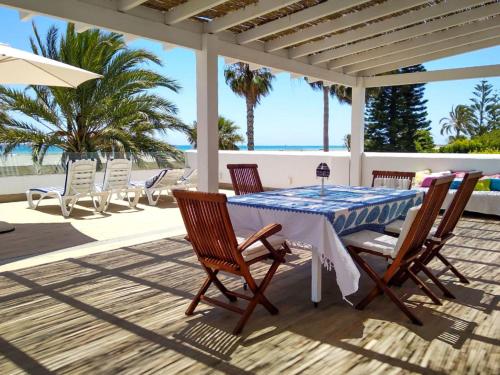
(293, 113)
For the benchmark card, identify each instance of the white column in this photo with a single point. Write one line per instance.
(357, 134)
(207, 115)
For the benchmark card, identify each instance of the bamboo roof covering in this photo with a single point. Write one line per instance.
(326, 40)
(366, 15)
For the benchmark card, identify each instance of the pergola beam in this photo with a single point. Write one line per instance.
(378, 28)
(260, 57)
(352, 19)
(433, 76)
(82, 27)
(109, 18)
(25, 16)
(429, 43)
(189, 9)
(124, 5)
(431, 56)
(348, 55)
(245, 14)
(296, 19)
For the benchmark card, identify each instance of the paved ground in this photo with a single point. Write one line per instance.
(46, 232)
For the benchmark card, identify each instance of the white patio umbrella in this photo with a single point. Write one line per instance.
(26, 68)
(21, 67)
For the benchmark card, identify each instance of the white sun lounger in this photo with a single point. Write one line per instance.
(189, 180)
(117, 181)
(80, 178)
(164, 181)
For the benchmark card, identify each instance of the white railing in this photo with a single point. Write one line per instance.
(487, 163)
(285, 168)
(280, 169)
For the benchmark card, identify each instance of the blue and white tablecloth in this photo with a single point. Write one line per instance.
(310, 218)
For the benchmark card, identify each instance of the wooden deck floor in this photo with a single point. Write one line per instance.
(122, 311)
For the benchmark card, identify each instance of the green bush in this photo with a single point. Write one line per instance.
(488, 143)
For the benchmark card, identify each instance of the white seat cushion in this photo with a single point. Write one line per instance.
(258, 249)
(392, 183)
(382, 243)
(370, 240)
(394, 227)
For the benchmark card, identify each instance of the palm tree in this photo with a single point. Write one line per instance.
(343, 95)
(117, 113)
(458, 121)
(251, 85)
(228, 134)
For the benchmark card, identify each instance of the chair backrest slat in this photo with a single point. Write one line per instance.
(402, 180)
(80, 177)
(209, 226)
(457, 206)
(423, 222)
(117, 174)
(245, 178)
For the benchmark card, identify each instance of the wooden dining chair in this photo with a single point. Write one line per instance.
(245, 178)
(211, 234)
(392, 179)
(441, 234)
(402, 252)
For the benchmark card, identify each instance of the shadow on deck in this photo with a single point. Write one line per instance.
(123, 311)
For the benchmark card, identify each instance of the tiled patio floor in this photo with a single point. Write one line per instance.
(122, 311)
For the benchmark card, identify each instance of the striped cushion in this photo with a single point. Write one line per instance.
(49, 189)
(151, 181)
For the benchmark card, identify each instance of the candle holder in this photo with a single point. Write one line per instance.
(324, 172)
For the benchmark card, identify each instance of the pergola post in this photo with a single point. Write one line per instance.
(357, 134)
(207, 115)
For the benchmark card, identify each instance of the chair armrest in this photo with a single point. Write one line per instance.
(265, 232)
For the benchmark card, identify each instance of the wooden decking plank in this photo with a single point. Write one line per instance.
(123, 311)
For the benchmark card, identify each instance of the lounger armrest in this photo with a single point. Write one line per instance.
(264, 233)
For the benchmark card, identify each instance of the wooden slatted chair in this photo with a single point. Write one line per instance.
(402, 252)
(218, 249)
(392, 179)
(444, 231)
(245, 178)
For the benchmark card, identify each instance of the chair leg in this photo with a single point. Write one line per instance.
(258, 296)
(436, 281)
(196, 299)
(246, 315)
(219, 285)
(287, 248)
(457, 273)
(424, 287)
(381, 286)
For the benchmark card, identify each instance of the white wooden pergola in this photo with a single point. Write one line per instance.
(347, 42)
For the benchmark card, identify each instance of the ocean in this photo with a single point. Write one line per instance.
(26, 149)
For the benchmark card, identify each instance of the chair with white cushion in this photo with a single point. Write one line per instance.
(403, 252)
(117, 181)
(79, 182)
(444, 231)
(393, 179)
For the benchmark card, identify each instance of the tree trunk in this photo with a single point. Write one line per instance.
(250, 140)
(326, 110)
